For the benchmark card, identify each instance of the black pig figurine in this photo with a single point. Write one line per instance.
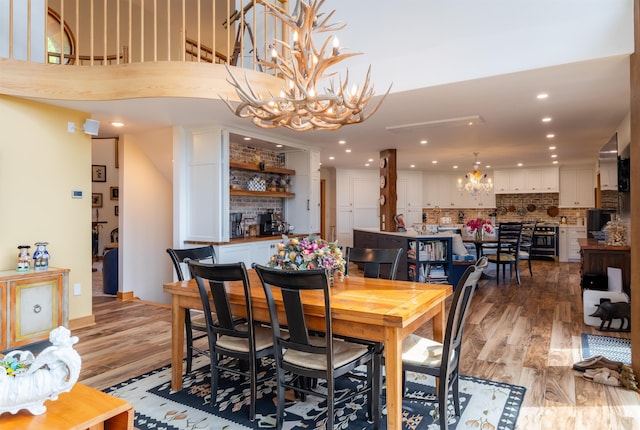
(608, 311)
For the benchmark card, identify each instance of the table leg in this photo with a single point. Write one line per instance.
(439, 323)
(177, 343)
(393, 369)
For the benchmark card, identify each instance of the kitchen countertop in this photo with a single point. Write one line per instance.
(410, 233)
(593, 244)
(246, 240)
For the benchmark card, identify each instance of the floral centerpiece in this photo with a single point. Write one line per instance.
(479, 226)
(308, 253)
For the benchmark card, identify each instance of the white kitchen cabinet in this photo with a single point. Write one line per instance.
(303, 211)
(357, 202)
(576, 187)
(568, 247)
(442, 190)
(549, 180)
(609, 175)
(430, 190)
(501, 182)
(409, 191)
(249, 252)
(532, 180)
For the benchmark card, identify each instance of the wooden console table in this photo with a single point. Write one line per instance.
(81, 408)
(596, 257)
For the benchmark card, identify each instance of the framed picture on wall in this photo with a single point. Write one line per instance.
(116, 210)
(98, 173)
(96, 200)
(114, 193)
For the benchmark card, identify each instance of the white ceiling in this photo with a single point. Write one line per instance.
(583, 65)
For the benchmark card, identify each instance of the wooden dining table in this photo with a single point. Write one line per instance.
(373, 309)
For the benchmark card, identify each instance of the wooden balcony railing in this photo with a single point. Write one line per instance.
(105, 32)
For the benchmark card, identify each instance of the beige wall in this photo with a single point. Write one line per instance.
(40, 164)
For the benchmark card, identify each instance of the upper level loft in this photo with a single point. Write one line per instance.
(131, 42)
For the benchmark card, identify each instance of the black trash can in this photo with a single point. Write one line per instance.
(110, 272)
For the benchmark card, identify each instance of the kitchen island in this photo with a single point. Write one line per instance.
(425, 257)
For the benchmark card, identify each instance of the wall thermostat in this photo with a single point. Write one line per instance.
(77, 194)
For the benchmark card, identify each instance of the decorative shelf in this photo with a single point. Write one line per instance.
(250, 167)
(276, 194)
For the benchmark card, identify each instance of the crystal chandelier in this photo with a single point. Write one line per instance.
(301, 106)
(477, 182)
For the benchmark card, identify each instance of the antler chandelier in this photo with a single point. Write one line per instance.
(300, 105)
(477, 182)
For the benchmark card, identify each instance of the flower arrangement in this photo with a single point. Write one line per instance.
(308, 253)
(13, 366)
(479, 225)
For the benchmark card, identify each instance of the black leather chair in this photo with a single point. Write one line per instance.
(376, 262)
(229, 335)
(306, 355)
(195, 325)
(441, 360)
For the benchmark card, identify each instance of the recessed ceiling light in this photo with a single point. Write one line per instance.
(488, 166)
(423, 142)
(550, 136)
(434, 162)
(554, 156)
(542, 96)
(519, 164)
(412, 166)
(246, 138)
(551, 148)
(347, 150)
(117, 124)
(555, 161)
(370, 160)
(332, 158)
(366, 164)
(278, 145)
(455, 167)
(342, 142)
(546, 119)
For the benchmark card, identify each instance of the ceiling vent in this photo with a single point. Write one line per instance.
(447, 122)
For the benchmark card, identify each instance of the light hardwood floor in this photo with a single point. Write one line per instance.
(527, 335)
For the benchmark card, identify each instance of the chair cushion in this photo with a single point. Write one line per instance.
(504, 258)
(421, 351)
(264, 339)
(343, 353)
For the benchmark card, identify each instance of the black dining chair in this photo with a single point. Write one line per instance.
(526, 244)
(308, 355)
(194, 323)
(231, 336)
(507, 250)
(441, 360)
(377, 262)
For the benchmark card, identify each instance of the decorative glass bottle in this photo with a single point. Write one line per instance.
(41, 257)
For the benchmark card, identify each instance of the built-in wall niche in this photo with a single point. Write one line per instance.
(269, 155)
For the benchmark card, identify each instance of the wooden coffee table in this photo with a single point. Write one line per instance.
(81, 408)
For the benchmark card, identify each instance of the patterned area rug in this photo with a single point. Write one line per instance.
(613, 348)
(484, 404)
